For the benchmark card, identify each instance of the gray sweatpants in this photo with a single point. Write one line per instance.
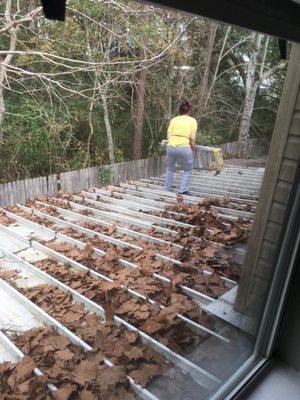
(185, 156)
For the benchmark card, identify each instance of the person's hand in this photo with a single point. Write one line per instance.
(192, 145)
(164, 143)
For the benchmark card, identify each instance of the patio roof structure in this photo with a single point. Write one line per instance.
(143, 261)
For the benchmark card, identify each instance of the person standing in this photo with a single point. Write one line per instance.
(181, 144)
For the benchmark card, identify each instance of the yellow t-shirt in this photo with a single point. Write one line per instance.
(180, 130)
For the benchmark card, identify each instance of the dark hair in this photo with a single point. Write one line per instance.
(184, 107)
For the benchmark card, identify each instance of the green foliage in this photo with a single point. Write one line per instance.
(105, 176)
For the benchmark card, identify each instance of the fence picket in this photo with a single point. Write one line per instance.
(1, 195)
(22, 192)
(52, 185)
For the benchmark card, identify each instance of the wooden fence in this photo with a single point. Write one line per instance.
(254, 148)
(74, 181)
(20, 191)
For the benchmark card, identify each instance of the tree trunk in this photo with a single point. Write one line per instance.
(103, 89)
(6, 62)
(211, 34)
(138, 112)
(2, 112)
(169, 105)
(12, 30)
(32, 4)
(170, 87)
(246, 121)
(250, 93)
(91, 126)
(108, 127)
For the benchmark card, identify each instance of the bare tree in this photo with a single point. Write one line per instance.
(105, 50)
(211, 34)
(254, 77)
(138, 112)
(12, 24)
(107, 123)
(61, 76)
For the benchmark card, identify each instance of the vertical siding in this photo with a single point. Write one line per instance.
(283, 159)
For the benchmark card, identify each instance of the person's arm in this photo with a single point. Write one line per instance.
(193, 140)
(194, 128)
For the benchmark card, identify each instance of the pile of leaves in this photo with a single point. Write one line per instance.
(206, 219)
(163, 324)
(122, 347)
(195, 251)
(4, 220)
(125, 348)
(208, 222)
(34, 218)
(141, 280)
(204, 255)
(167, 249)
(77, 374)
(18, 382)
(137, 279)
(99, 291)
(9, 275)
(60, 305)
(224, 202)
(225, 232)
(198, 256)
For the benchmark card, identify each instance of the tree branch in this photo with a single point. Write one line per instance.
(263, 61)
(271, 71)
(239, 64)
(29, 18)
